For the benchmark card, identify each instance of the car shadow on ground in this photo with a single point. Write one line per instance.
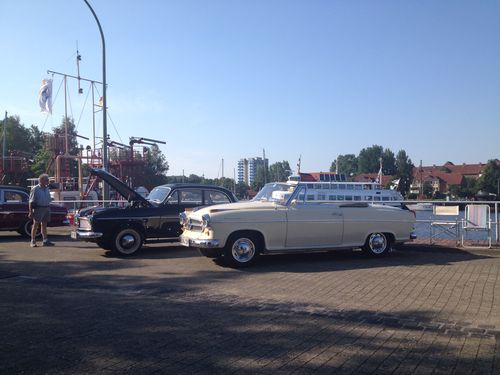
(356, 259)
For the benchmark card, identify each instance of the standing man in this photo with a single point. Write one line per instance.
(39, 209)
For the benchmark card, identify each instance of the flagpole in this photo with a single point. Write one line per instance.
(105, 190)
(4, 143)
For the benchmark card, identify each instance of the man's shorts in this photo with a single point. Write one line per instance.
(41, 214)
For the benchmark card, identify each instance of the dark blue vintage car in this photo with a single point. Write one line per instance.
(144, 220)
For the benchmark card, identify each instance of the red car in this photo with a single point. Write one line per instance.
(14, 211)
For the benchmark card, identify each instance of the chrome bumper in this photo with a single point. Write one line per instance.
(203, 244)
(85, 235)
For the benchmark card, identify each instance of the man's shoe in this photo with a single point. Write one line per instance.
(47, 243)
(33, 244)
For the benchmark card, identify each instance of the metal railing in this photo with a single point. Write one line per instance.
(493, 220)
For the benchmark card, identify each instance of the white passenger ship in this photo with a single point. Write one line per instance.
(330, 186)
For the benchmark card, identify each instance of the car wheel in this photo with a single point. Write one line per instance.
(210, 253)
(377, 245)
(127, 241)
(25, 229)
(241, 250)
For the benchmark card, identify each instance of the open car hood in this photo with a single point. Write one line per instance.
(119, 186)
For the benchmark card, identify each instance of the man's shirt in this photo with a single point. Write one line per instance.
(40, 196)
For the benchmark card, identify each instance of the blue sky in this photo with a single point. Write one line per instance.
(226, 79)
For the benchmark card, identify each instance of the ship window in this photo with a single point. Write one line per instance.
(310, 197)
(385, 198)
(321, 197)
(301, 197)
(317, 186)
(340, 197)
(334, 186)
(332, 197)
(350, 187)
(357, 187)
(348, 197)
(341, 186)
(310, 186)
(368, 197)
(357, 198)
(376, 198)
(325, 186)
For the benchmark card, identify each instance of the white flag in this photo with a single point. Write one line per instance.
(45, 96)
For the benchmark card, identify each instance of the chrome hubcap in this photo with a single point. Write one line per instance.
(243, 250)
(377, 243)
(127, 241)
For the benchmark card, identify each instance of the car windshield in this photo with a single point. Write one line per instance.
(158, 194)
(275, 192)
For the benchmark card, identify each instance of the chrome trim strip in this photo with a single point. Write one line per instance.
(174, 218)
(86, 235)
(205, 244)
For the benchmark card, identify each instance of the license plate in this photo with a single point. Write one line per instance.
(184, 241)
(74, 236)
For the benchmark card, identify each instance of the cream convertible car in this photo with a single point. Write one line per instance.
(281, 219)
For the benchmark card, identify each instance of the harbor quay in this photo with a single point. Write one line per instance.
(75, 308)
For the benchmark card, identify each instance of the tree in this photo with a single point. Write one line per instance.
(242, 190)
(156, 167)
(427, 190)
(369, 159)
(60, 133)
(226, 182)
(261, 176)
(20, 142)
(279, 171)
(41, 161)
(404, 172)
(490, 178)
(18, 137)
(468, 189)
(194, 179)
(388, 162)
(348, 164)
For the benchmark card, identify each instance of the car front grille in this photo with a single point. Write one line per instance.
(194, 225)
(84, 223)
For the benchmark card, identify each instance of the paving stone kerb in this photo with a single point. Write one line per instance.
(75, 308)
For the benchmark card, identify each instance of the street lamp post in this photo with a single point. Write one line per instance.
(105, 188)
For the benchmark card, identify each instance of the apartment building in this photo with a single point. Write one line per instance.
(247, 169)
